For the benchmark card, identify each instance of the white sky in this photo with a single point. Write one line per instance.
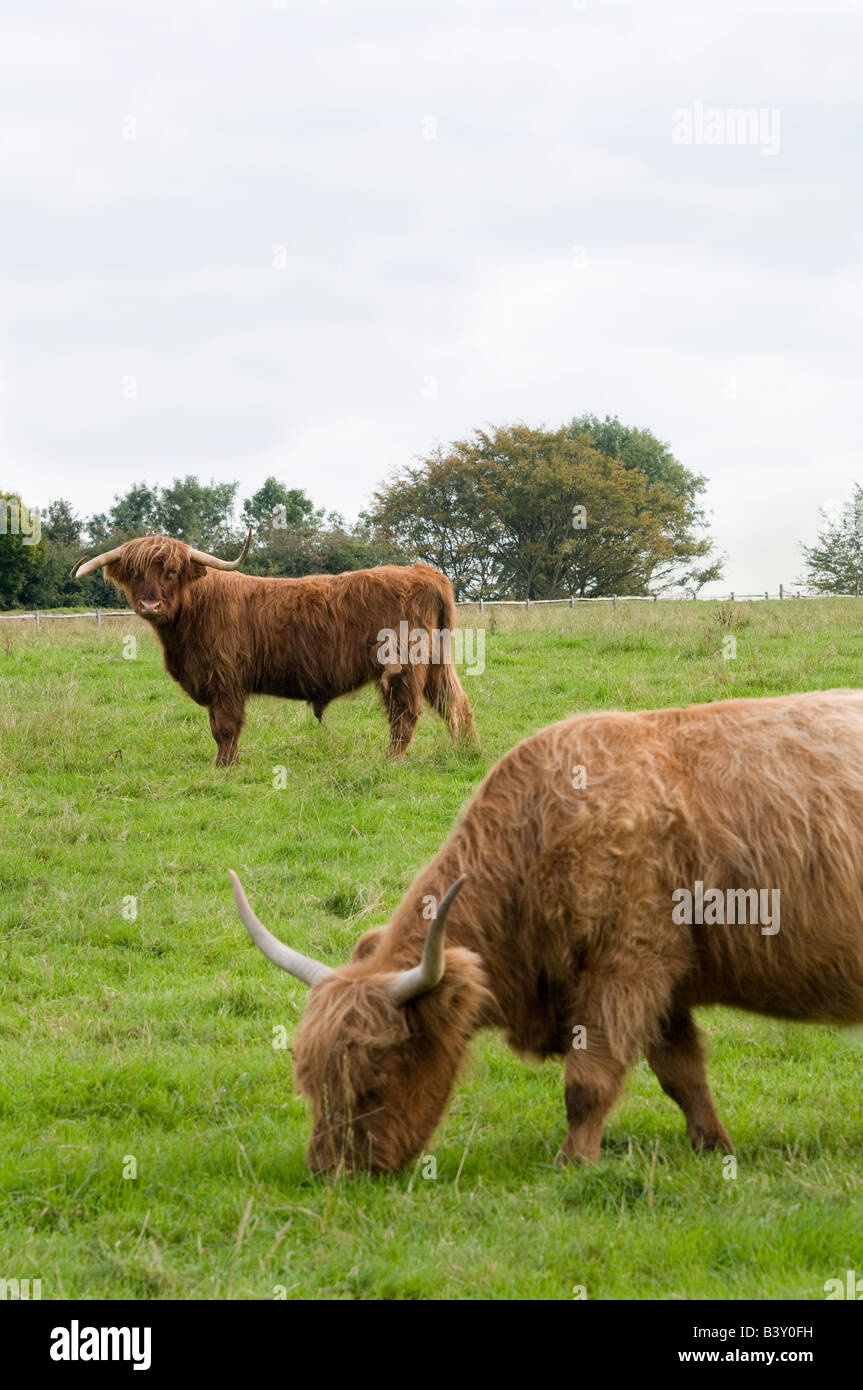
(431, 285)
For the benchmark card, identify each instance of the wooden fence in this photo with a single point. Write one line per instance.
(613, 599)
(37, 616)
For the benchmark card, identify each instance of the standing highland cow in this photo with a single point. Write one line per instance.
(227, 636)
(564, 916)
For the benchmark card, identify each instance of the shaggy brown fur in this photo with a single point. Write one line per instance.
(227, 636)
(566, 919)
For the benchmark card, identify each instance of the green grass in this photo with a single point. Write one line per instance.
(152, 1038)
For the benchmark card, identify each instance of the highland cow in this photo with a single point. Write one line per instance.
(552, 912)
(227, 636)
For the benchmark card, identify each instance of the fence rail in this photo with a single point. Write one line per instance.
(37, 616)
(614, 599)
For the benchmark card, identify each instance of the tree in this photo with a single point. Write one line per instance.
(293, 537)
(435, 512)
(275, 505)
(19, 547)
(341, 547)
(199, 513)
(133, 514)
(835, 563)
(638, 448)
(196, 512)
(60, 523)
(536, 513)
(285, 525)
(49, 585)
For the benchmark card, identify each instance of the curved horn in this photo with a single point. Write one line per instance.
(410, 983)
(204, 559)
(300, 966)
(85, 566)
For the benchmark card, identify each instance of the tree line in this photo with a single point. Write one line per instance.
(592, 508)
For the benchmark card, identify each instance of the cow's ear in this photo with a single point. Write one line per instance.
(116, 573)
(367, 944)
(196, 569)
(460, 998)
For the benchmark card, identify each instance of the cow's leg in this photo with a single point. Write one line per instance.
(437, 692)
(677, 1059)
(226, 723)
(592, 1083)
(447, 698)
(619, 1005)
(403, 704)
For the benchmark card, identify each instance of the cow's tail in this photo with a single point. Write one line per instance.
(444, 688)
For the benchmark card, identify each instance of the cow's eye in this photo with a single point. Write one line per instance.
(170, 574)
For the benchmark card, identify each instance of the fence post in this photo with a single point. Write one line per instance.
(655, 598)
(614, 600)
(36, 616)
(732, 595)
(571, 601)
(781, 592)
(856, 588)
(527, 603)
(480, 603)
(766, 595)
(98, 617)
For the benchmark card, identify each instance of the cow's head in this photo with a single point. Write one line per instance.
(378, 1050)
(154, 572)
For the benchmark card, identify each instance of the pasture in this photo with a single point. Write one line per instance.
(151, 1144)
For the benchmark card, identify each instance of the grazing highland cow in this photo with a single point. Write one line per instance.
(570, 931)
(227, 636)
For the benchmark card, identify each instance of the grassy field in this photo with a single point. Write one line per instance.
(137, 1022)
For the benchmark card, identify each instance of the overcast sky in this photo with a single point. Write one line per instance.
(244, 237)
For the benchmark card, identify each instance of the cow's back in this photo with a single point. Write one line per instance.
(578, 839)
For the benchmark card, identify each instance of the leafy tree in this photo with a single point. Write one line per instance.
(501, 513)
(279, 507)
(19, 548)
(285, 525)
(60, 523)
(835, 563)
(436, 512)
(330, 548)
(199, 513)
(49, 584)
(342, 547)
(638, 448)
(196, 512)
(293, 537)
(134, 514)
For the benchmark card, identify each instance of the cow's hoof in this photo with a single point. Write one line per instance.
(707, 1140)
(569, 1154)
